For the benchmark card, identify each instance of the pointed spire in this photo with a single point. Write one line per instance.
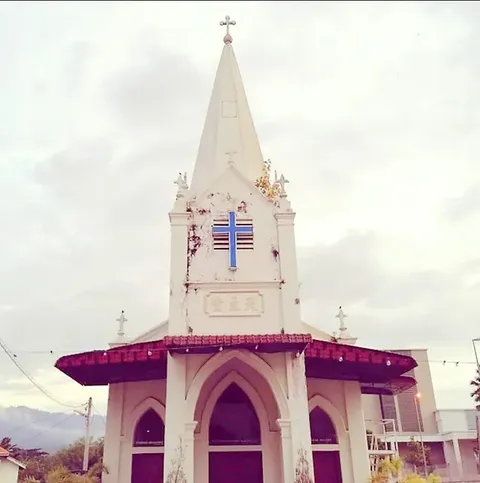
(229, 136)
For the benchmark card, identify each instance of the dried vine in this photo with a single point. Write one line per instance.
(177, 473)
(264, 184)
(302, 469)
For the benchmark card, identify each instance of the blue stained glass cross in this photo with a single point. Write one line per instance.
(232, 229)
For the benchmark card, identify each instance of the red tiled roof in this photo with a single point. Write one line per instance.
(262, 343)
(329, 360)
(135, 362)
(324, 360)
(4, 453)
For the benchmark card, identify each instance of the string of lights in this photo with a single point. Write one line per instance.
(44, 391)
(62, 352)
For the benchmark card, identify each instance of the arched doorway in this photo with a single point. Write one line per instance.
(148, 447)
(325, 447)
(235, 442)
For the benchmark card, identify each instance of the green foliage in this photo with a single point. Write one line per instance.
(63, 466)
(381, 445)
(390, 469)
(415, 453)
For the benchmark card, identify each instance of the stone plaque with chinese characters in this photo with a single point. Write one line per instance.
(234, 304)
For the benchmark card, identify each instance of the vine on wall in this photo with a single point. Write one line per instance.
(302, 468)
(264, 184)
(177, 472)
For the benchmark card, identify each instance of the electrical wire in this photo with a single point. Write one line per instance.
(58, 423)
(99, 415)
(13, 358)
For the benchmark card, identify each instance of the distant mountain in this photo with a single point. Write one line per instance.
(33, 428)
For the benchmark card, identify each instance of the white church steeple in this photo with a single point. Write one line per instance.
(233, 258)
(229, 135)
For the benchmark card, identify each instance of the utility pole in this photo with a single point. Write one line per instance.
(88, 417)
(420, 429)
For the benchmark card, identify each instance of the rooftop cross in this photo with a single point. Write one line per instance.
(341, 317)
(226, 23)
(121, 323)
(232, 229)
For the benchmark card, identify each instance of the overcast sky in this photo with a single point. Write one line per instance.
(371, 110)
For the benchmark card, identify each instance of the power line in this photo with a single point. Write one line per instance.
(58, 423)
(99, 415)
(13, 358)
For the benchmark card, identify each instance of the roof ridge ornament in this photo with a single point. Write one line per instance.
(226, 23)
(344, 337)
(121, 324)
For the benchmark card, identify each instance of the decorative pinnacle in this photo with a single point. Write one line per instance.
(226, 23)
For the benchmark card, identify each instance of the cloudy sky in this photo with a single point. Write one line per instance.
(372, 111)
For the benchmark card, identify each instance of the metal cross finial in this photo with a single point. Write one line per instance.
(121, 323)
(226, 23)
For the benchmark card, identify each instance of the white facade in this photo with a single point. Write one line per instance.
(258, 296)
(234, 381)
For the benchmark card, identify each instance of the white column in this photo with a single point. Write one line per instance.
(299, 413)
(189, 451)
(179, 454)
(179, 223)
(357, 432)
(288, 272)
(285, 426)
(113, 433)
(458, 458)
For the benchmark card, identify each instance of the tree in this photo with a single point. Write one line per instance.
(416, 452)
(6, 443)
(71, 457)
(390, 471)
(370, 440)
(65, 465)
(475, 383)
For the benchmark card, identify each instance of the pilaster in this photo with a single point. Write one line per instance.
(189, 450)
(179, 447)
(179, 223)
(285, 426)
(458, 458)
(113, 431)
(288, 271)
(301, 445)
(357, 432)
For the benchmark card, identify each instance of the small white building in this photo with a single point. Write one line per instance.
(9, 467)
(235, 386)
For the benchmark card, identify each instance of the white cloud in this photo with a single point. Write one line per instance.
(370, 110)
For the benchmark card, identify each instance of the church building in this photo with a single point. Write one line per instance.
(235, 387)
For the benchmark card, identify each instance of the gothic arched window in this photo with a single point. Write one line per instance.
(322, 428)
(150, 430)
(234, 420)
